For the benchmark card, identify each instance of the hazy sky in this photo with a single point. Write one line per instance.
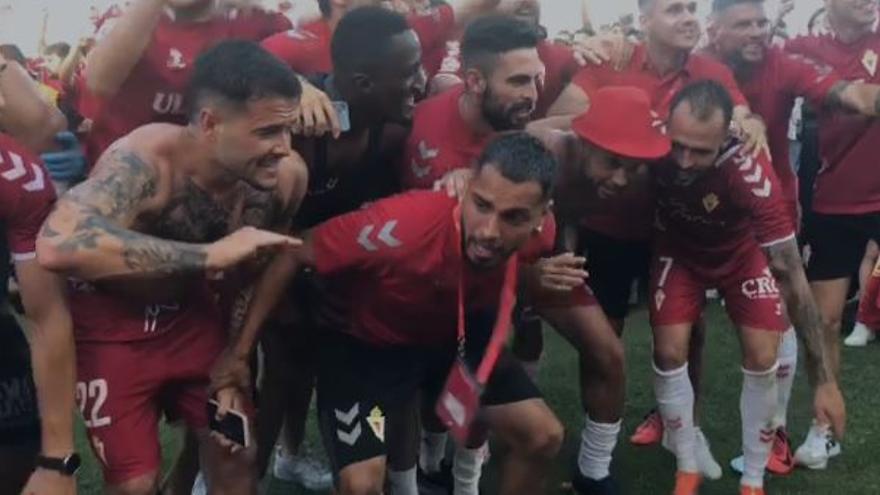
(20, 20)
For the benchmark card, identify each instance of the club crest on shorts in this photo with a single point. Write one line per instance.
(869, 62)
(659, 298)
(710, 202)
(376, 420)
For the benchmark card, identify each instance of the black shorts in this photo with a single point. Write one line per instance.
(837, 243)
(614, 265)
(19, 416)
(358, 383)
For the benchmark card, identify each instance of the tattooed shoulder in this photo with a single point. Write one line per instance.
(123, 181)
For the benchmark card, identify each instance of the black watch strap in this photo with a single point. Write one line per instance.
(65, 465)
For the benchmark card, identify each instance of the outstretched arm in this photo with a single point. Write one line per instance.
(859, 97)
(787, 268)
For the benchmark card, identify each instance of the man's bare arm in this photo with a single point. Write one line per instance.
(859, 97)
(24, 112)
(787, 268)
(113, 58)
(572, 101)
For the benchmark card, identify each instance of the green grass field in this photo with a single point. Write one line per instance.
(650, 470)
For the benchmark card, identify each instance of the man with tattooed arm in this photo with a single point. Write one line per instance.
(166, 209)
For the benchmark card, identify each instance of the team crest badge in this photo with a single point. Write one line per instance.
(710, 202)
(377, 423)
(869, 62)
(659, 298)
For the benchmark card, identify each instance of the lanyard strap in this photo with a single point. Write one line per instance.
(506, 302)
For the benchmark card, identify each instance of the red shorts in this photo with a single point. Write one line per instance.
(579, 297)
(869, 305)
(123, 388)
(751, 296)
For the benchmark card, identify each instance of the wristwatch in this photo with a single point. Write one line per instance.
(67, 466)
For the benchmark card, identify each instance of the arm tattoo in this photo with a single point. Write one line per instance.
(111, 199)
(787, 267)
(239, 311)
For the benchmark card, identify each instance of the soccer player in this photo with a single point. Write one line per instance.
(617, 238)
(376, 75)
(864, 333)
(559, 61)
(771, 81)
(26, 197)
(846, 202)
(140, 69)
(307, 49)
(721, 223)
(399, 334)
(502, 76)
(164, 208)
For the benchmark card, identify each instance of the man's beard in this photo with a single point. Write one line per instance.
(499, 118)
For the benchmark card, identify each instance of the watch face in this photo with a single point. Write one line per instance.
(72, 463)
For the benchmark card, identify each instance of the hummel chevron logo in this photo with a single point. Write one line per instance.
(427, 153)
(419, 171)
(17, 171)
(745, 163)
(763, 192)
(347, 418)
(755, 177)
(349, 438)
(39, 181)
(385, 236)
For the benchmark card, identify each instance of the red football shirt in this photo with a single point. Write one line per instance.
(307, 49)
(439, 142)
(401, 257)
(711, 221)
(771, 91)
(26, 197)
(154, 90)
(629, 216)
(848, 182)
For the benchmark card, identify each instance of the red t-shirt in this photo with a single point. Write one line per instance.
(307, 49)
(629, 215)
(558, 60)
(154, 90)
(771, 91)
(848, 182)
(712, 221)
(401, 257)
(26, 197)
(439, 141)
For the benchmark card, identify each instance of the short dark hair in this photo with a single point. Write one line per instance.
(488, 37)
(705, 98)
(520, 157)
(61, 49)
(644, 4)
(237, 72)
(362, 38)
(719, 6)
(14, 53)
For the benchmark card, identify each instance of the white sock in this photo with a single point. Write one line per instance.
(597, 444)
(675, 400)
(532, 368)
(466, 470)
(788, 358)
(757, 406)
(403, 482)
(432, 451)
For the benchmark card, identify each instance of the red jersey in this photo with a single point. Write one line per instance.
(712, 221)
(848, 182)
(771, 91)
(629, 215)
(439, 142)
(26, 197)
(401, 256)
(307, 49)
(559, 63)
(153, 92)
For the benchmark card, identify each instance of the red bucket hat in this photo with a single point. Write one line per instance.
(620, 120)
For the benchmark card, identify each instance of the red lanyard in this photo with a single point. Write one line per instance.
(507, 301)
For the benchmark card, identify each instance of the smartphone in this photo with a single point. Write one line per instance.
(233, 426)
(343, 115)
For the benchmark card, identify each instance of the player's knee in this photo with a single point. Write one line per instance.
(142, 485)
(363, 480)
(668, 356)
(546, 441)
(759, 360)
(613, 359)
